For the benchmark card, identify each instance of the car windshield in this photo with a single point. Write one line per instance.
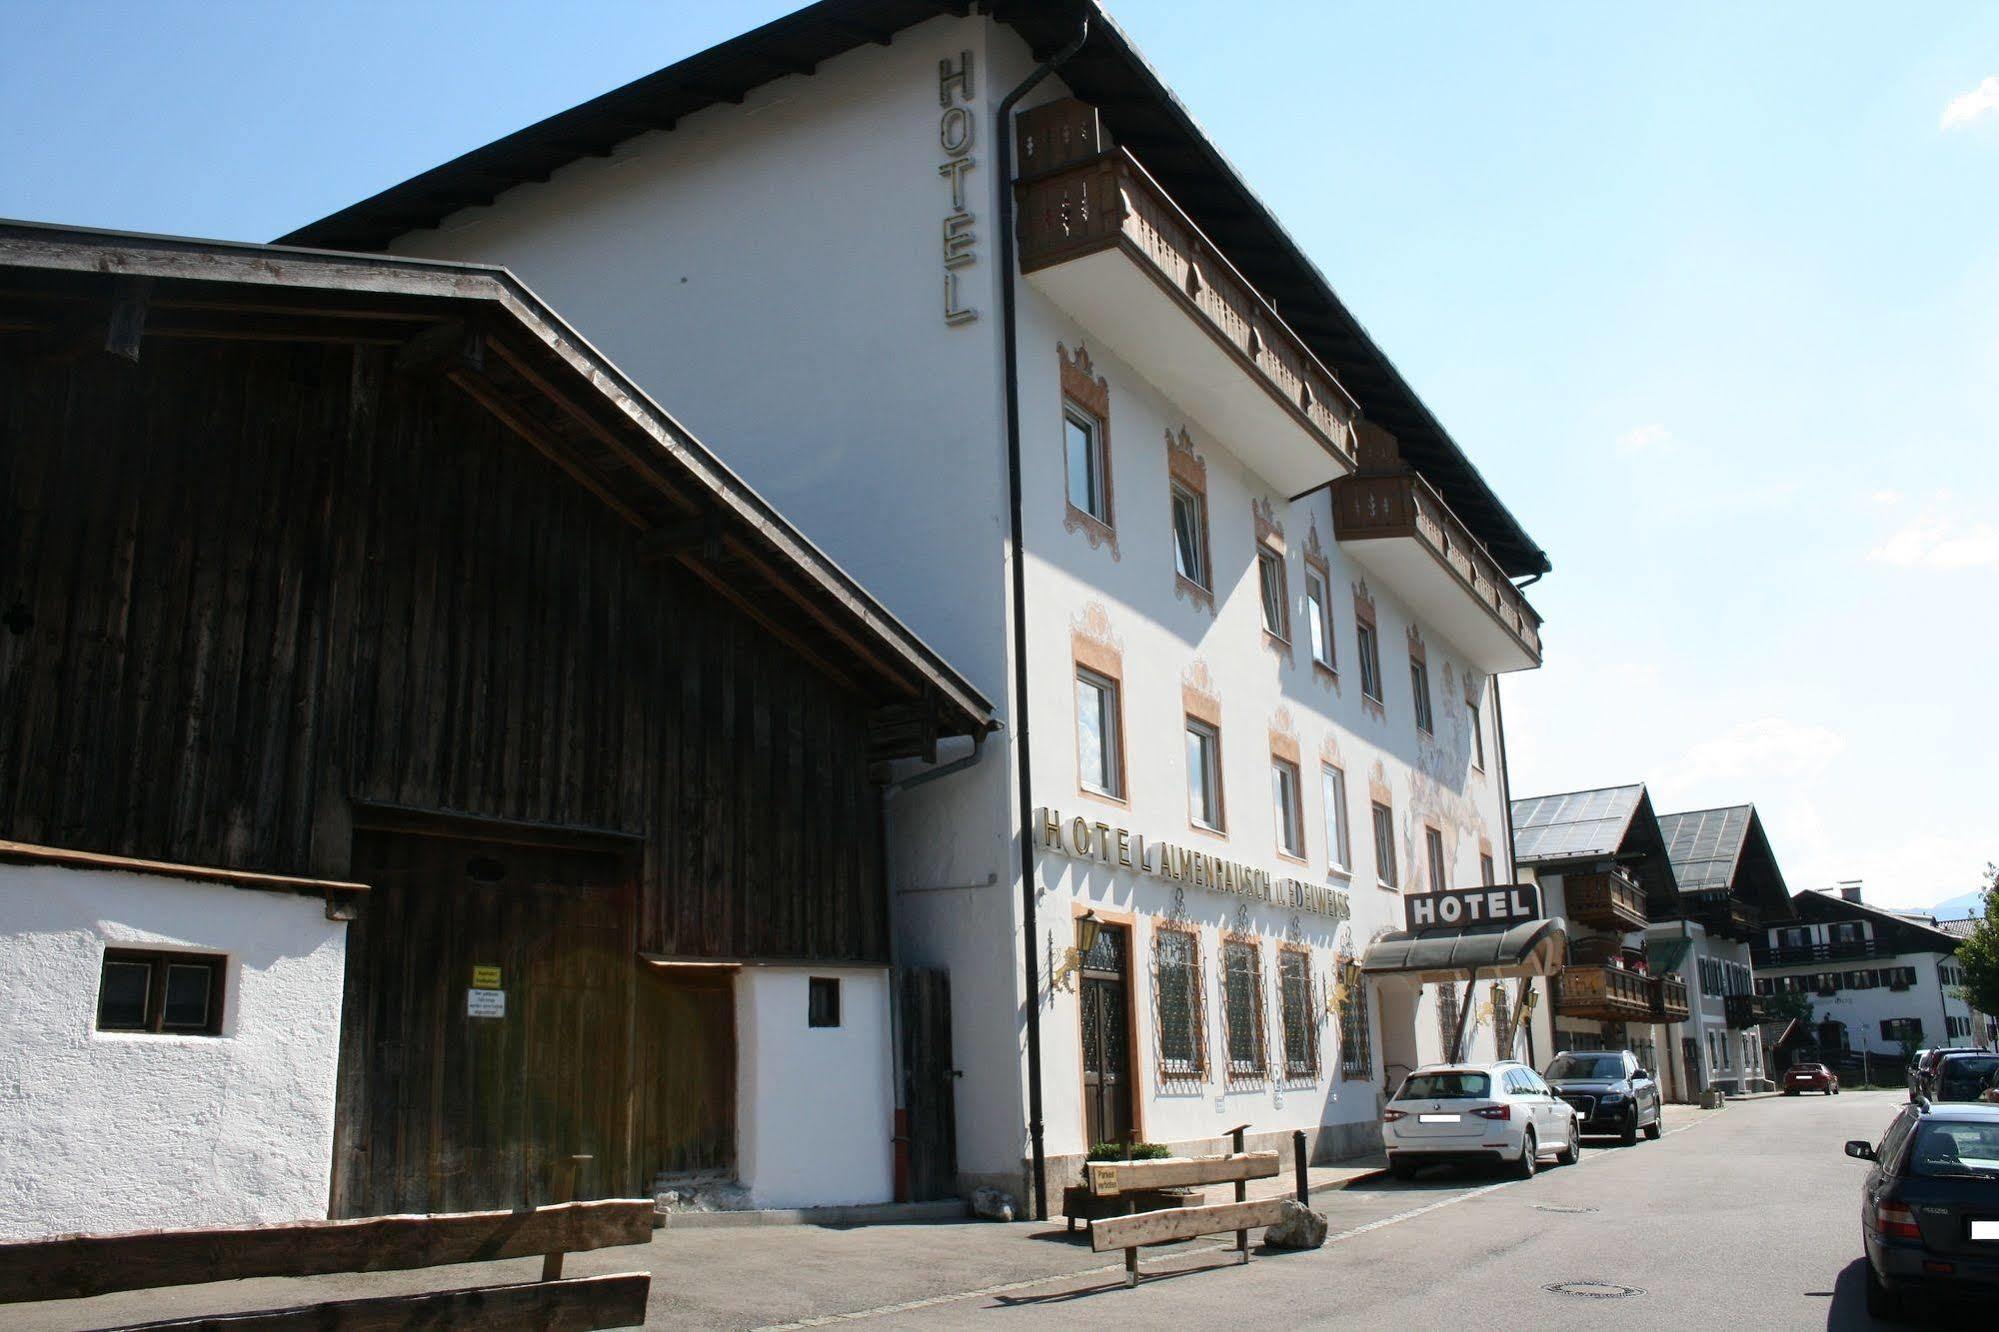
(1444, 1087)
(1944, 1148)
(1587, 1066)
(1964, 1079)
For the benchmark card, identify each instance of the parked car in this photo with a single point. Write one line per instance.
(1915, 1070)
(1501, 1113)
(1929, 1212)
(1810, 1077)
(1926, 1068)
(1611, 1091)
(1962, 1075)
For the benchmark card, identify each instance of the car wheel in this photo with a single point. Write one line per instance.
(1882, 1302)
(1628, 1136)
(1835, 1091)
(1653, 1129)
(1525, 1166)
(1569, 1154)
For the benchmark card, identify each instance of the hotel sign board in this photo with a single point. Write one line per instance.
(1453, 910)
(1082, 839)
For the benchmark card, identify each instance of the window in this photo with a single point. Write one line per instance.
(1099, 750)
(1356, 1035)
(1270, 579)
(1301, 1028)
(1333, 791)
(1419, 684)
(1182, 1015)
(822, 1001)
(1485, 870)
(1433, 848)
(1204, 775)
(1089, 485)
(1242, 1008)
(163, 993)
(1384, 845)
(1477, 740)
(1318, 616)
(1290, 810)
(1370, 659)
(1190, 536)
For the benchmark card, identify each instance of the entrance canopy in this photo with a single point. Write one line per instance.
(1535, 948)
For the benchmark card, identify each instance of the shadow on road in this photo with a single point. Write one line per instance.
(1849, 1306)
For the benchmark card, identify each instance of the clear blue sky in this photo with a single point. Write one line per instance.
(1711, 293)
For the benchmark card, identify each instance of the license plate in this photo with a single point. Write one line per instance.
(1985, 1230)
(1443, 1119)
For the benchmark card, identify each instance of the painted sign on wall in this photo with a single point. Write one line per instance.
(1081, 839)
(1463, 908)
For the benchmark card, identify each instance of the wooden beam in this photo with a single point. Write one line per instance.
(74, 1266)
(818, 613)
(577, 1304)
(447, 344)
(483, 394)
(1178, 1223)
(700, 536)
(776, 630)
(1109, 1178)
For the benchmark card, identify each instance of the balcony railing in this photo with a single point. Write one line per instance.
(1612, 900)
(1669, 999)
(1606, 993)
(1405, 505)
(1108, 201)
(1720, 912)
(1798, 955)
(1744, 1010)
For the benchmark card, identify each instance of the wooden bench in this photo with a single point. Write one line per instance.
(1109, 1179)
(74, 1266)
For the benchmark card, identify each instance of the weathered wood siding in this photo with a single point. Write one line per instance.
(245, 584)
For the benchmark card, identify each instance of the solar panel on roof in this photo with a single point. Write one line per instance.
(1574, 824)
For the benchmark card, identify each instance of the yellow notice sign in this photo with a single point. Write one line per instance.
(485, 978)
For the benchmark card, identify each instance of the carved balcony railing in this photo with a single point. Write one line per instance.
(1669, 999)
(1797, 955)
(1720, 912)
(1386, 506)
(1611, 900)
(1604, 992)
(1744, 1010)
(1108, 201)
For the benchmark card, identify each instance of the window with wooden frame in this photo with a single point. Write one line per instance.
(1485, 869)
(1319, 615)
(1369, 644)
(1477, 735)
(822, 1001)
(1276, 596)
(1180, 1018)
(1290, 808)
(161, 993)
(1242, 1010)
(1433, 849)
(1190, 537)
(1356, 1029)
(1204, 775)
(1384, 844)
(1099, 735)
(1299, 1014)
(1333, 797)
(1089, 480)
(1419, 689)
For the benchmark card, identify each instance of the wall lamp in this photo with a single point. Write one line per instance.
(1088, 927)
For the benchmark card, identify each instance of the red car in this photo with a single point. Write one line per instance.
(1811, 1077)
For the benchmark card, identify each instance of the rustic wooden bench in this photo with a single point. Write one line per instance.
(1108, 1179)
(75, 1266)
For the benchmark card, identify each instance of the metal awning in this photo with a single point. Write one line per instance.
(1535, 948)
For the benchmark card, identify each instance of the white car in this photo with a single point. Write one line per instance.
(1499, 1113)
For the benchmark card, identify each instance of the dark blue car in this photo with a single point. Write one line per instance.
(1929, 1212)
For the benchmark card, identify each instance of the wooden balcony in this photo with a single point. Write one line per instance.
(1744, 1010)
(1669, 999)
(1604, 992)
(1722, 913)
(1100, 238)
(1612, 900)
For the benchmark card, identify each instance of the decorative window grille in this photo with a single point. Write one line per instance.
(1447, 1016)
(1300, 1016)
(1242, 1010)
(1181, 1020)
(1356, 1033)
(1502, 1022)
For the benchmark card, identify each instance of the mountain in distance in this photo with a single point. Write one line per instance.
(1957, 908)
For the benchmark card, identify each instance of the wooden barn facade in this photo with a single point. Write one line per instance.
(373, 571)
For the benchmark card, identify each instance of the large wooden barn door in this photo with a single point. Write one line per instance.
(929, 1083)
(685, 1072)
(488, 1025)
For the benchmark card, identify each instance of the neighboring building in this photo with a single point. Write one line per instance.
(1730, 888)
(1603, 867)
(370, 579)
(1262, 597)
(1880, 983)
(1984, 1026)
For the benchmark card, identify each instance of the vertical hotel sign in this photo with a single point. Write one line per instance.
(955, 133)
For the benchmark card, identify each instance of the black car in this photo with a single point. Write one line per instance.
(1612, 1092)
(1962, 1075)
(1923, 1085)
(1929, 1212)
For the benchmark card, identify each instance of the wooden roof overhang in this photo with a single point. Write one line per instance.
(1108, 72)
(68, 291)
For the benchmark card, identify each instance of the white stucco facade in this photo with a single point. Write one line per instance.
(117, 1130)
(816, 1110)
(771, 272)
(1890, 987)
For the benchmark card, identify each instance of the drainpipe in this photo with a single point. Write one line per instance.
(1003, 125)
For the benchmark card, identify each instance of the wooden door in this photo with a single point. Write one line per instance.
(487, 1028)
(929, 1084)
(685, 1073)
(1107, 1038)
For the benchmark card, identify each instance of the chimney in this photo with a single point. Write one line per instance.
(1849, 890)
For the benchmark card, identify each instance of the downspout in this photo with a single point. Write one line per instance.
(1512, 869)
(1008, 339)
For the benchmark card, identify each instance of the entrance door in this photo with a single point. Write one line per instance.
(1106, 1037)
(685, 1073)
(487, 1025)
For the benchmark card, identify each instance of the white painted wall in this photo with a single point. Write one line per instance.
(109, 1131)
(815, 1107)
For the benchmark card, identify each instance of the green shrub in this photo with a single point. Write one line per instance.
(1140, 1151)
